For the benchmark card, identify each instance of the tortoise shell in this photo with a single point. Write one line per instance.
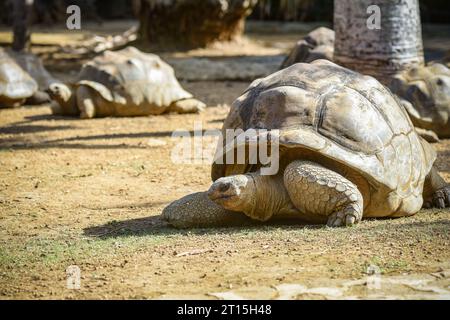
(15, 84)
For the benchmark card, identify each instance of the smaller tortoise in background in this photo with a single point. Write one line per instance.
(23, 79)
(425, 93)
(33, 65)
(347, 150)
(16, 85)
(318, 44)
(124, 83)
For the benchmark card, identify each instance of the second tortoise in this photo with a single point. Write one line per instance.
(124, 83)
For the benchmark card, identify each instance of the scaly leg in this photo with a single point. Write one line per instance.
(85, 103)
(320, 192)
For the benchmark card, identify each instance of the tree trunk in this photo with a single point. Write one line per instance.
(378, 52)
(21, 18)
(185, 24)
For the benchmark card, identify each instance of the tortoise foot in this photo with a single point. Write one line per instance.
(346, 217)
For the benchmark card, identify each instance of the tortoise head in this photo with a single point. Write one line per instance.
(235, 193)
(64, 96)
(60, 92)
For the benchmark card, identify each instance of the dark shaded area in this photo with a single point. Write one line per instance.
(49, 12)
(191, 23)
(435, 11)
(20, 129)
(158, 134)
(16, 145)
(303, 10)
(22, 143)
(156, 225)
(40, 117)
(432, 11)
(21, 12)
(52, 11)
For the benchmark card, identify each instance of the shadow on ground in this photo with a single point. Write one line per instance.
(156, 225)
(20, 129)
(64, 143)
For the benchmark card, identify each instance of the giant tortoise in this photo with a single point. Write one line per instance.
(124, 83)
(425, 92)
(347, 150)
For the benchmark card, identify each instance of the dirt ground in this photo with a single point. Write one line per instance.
(89, 193)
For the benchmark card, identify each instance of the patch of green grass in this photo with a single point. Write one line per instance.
(47, 252)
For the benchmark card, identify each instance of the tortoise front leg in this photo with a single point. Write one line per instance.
(85, 102)
(323, 193)
(436, 192)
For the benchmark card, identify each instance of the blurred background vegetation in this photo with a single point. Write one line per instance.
(432, 11)
(53, 11)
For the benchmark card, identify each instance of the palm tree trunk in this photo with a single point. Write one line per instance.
(21, 16)
(397, 45)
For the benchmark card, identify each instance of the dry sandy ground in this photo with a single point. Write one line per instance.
(89, 192)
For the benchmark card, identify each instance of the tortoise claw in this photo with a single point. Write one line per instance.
(347, 217)
(441, 198)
